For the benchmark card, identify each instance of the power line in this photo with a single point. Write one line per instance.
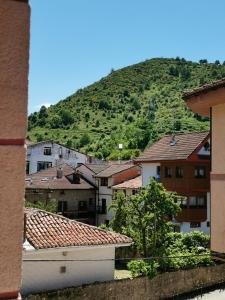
(118, 259)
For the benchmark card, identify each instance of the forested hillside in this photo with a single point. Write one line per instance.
(135, 106)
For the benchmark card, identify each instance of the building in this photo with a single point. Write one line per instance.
(129, 187)
(14, 66)
(60, 253)
(105, 177)
(43, 155)
(182, 164)
(209, 100)
(73, 193)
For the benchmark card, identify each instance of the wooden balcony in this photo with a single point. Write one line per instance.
(192, 215)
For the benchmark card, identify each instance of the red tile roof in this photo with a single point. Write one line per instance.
(134, 183)
(46, 230)
(163, 150)
(114, 169)
(204, 89)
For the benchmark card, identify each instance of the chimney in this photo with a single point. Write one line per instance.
(59, 173)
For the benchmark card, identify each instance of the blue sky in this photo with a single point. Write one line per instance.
(76, 42)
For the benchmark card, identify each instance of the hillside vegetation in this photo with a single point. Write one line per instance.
(134, 106)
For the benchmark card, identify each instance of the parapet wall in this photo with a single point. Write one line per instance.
(163, 286)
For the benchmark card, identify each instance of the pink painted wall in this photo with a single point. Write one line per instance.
(14, 57)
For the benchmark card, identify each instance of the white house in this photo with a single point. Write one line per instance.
(106, 176)
(182, 164)
(60, 253)
(43, 155)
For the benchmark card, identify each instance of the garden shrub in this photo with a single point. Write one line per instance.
(143, 268)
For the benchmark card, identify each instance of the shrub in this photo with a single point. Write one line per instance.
(143, 268)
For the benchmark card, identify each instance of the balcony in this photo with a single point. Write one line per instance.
(192, 215)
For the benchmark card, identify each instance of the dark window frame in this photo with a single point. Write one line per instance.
(179, 172)
(168, 172)
(197, 170)
(46, 164)
(47, 151)
(104, 181)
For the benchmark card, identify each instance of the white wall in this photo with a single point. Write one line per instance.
(35, 154)
(42, 276)
(148, 170)
(185, 227)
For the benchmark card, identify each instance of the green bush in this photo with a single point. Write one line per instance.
(143, 268)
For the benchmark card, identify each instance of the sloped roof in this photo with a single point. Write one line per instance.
(204, 89)
(184, 146)
(46, 230)
(134, 183)
(46, 179)
(97, 168)
(114, 169)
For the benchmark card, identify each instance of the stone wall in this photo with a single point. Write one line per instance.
(161, 287)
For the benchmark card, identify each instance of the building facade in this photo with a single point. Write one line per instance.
(209, 100)
(82, 253)
(43, 155)
(73, 195)
(182, 164)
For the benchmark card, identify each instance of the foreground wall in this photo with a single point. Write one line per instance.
(73, 267)
(218, 179)
(14, 56)
(161, 287)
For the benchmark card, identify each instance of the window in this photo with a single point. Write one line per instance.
(27, 167)
(197, 201)
(200, 172)
(179, 172)
(182, 201)
(168, 172)
(47, 151)
(104, 181)
(62, 269)
(43, 165)
(62, 206)
(195, 224)
(82, 205)
(134, 192)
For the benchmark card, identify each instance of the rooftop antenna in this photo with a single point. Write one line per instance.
(173, 139)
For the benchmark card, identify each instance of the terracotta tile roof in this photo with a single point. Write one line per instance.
(204, 89)
(163, 150)
(46, 179)
(114, 169)
(47, 230)
(134, 183)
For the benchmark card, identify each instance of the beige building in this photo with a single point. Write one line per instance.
(14, 56)
(129, 187)
(209, 100)
(73, 194)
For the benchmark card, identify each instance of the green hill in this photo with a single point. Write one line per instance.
(135, 106)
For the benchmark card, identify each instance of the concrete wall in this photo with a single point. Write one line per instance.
(163, 286)
(41, 276)
(218, 179)
(14, 56)
(35, 153)
(148, 170)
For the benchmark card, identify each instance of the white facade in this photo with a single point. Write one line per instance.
(76, 266)
(47, 154)
(149, 170)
